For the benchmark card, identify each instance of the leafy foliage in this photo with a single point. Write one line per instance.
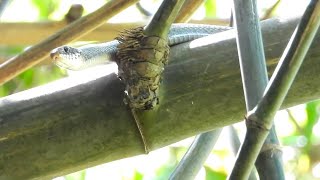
(45, 8)
(212, 174)
(210, 6)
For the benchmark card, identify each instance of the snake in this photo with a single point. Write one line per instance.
(79, 58)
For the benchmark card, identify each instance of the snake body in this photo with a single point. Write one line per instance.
(94, 54)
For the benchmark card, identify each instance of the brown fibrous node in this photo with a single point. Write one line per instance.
(141, 60)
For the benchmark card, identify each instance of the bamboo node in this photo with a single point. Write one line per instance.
(141, 61)
(252, 121)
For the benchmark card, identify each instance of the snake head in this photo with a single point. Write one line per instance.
(67, 57)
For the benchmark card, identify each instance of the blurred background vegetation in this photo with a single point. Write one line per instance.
(298, 128)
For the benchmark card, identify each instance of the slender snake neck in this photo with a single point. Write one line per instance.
(94, 54)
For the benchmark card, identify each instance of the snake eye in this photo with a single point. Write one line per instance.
(66, 49)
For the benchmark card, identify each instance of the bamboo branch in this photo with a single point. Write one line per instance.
(294, 121)
(3, 5)
(255, 79)
(235, 145)
(142, 10)
(161, 22)
(12, 34)
(187, 10)
(75, 123)
(259, 120)
(185, 13)
(196, 155)
(269, 12)
(37, 53)
(74, 13)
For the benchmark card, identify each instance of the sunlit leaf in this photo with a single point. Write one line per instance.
(7, 88)
(138, 175)
(27, 77)
(211, 8)
(214, 175)
(45, 8)
(313, 116)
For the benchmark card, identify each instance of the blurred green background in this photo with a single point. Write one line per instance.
(298, 128)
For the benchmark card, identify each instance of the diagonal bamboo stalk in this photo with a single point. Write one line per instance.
(161, 22)
(196, 155)
(187, 10)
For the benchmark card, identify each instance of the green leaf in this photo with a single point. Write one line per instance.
(138, 175)
(7, 88)
(211, 8)
(214, 175)
(312, 109)
(45, 8)
(27, 78)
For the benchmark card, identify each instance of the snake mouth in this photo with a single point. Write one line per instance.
(63, 65)
(56, 58)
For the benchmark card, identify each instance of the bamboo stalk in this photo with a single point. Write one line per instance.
(76, 123)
